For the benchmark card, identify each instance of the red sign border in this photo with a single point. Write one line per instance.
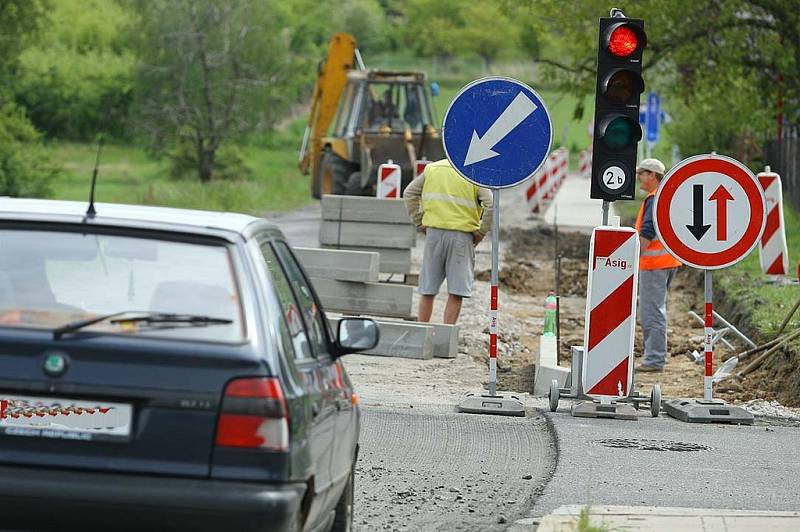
(689, 168)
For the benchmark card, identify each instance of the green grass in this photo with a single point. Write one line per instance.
(130, 175)
(585, 526)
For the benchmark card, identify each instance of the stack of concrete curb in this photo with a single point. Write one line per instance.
(413, 340)
(346, 281)
(369, 224)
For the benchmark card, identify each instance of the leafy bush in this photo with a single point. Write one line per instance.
(77, 79)
(24, 170)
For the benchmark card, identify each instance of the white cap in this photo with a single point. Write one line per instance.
(652, 165)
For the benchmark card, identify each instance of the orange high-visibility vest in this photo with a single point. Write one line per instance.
(654, 256)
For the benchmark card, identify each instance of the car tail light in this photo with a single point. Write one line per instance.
(253, 415)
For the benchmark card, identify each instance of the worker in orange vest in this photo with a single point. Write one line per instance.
(657, 268)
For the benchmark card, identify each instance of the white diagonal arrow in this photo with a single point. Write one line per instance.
(480, 148)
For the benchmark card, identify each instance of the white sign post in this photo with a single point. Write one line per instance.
(709, 213)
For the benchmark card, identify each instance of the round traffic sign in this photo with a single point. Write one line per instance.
(497, 132)
(709, 211)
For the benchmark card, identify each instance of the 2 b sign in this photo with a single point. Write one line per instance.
(709, 211)
(613, 179)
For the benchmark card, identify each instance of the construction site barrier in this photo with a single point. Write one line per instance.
(544, 184)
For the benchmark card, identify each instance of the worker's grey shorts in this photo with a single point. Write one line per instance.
(451, 255)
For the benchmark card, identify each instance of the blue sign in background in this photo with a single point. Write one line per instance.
(653, 120)
(476, 109)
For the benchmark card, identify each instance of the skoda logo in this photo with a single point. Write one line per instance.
(55, 364)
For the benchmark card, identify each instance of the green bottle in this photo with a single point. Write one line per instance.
(550, 315)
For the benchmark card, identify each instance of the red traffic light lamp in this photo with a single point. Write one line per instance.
(623, 39)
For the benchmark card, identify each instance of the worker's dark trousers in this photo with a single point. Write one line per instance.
(653, 285)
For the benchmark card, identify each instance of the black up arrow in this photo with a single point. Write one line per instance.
(697, 228)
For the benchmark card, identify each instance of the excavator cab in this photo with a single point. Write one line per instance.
(380, 116)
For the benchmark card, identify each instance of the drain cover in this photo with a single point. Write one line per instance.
(652, 445)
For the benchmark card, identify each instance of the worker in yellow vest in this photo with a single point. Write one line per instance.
(455, 215)
(657, 269)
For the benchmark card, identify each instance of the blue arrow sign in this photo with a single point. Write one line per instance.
(497, 132)
(653, 120)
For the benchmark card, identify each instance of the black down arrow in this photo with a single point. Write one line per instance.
(697, 228)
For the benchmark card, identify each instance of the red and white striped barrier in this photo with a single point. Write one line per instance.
(585, 162)
(419, 167)
(493, 333)
(772, 250)
(389, 179)
(610, 312)
(564, 166)
(552, 164)
(546, 182)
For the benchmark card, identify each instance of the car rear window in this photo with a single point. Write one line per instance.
(50, 278)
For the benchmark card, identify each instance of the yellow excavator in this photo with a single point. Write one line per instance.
(361, 118)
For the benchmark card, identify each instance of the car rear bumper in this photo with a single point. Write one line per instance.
(45, 498)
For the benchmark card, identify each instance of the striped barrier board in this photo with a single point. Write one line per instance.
(564, 166)
(547, 180)
(532, 192)
(772, 249)
(389, 179)
(610, 312)
(585, 159)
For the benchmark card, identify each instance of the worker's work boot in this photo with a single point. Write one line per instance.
(649, 369)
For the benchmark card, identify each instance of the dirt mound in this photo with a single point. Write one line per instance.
(542, 242)
(529, 267)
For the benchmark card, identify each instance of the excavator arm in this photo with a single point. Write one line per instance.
(331, 80)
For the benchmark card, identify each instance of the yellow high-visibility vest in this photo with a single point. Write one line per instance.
(448, 200)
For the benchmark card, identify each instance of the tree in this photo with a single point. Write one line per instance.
(703, 55)
(212, 71)
(24, 170)
(77, 79)
(445, 28)
(487, 31)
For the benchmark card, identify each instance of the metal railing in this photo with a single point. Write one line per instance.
(783, 156)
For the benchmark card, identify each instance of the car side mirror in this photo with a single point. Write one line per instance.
(356, 334)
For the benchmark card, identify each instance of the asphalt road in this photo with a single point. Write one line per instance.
(428, 468)
(664, 462)
(301, 226)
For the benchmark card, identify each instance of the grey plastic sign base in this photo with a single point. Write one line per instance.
(500, 404)
(700, 411)
(609, 411)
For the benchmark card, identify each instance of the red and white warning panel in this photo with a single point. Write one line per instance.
(389, 179)
(772, 251)
(610, 312)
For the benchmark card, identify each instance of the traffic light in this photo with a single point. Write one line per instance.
(616, 108)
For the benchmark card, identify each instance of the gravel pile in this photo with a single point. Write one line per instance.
(760, 407)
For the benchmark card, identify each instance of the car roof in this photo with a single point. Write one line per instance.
(139, 216)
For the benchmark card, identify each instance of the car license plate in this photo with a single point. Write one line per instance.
(62, 418)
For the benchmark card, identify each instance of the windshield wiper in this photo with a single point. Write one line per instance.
(161, 317)
(145, 317)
